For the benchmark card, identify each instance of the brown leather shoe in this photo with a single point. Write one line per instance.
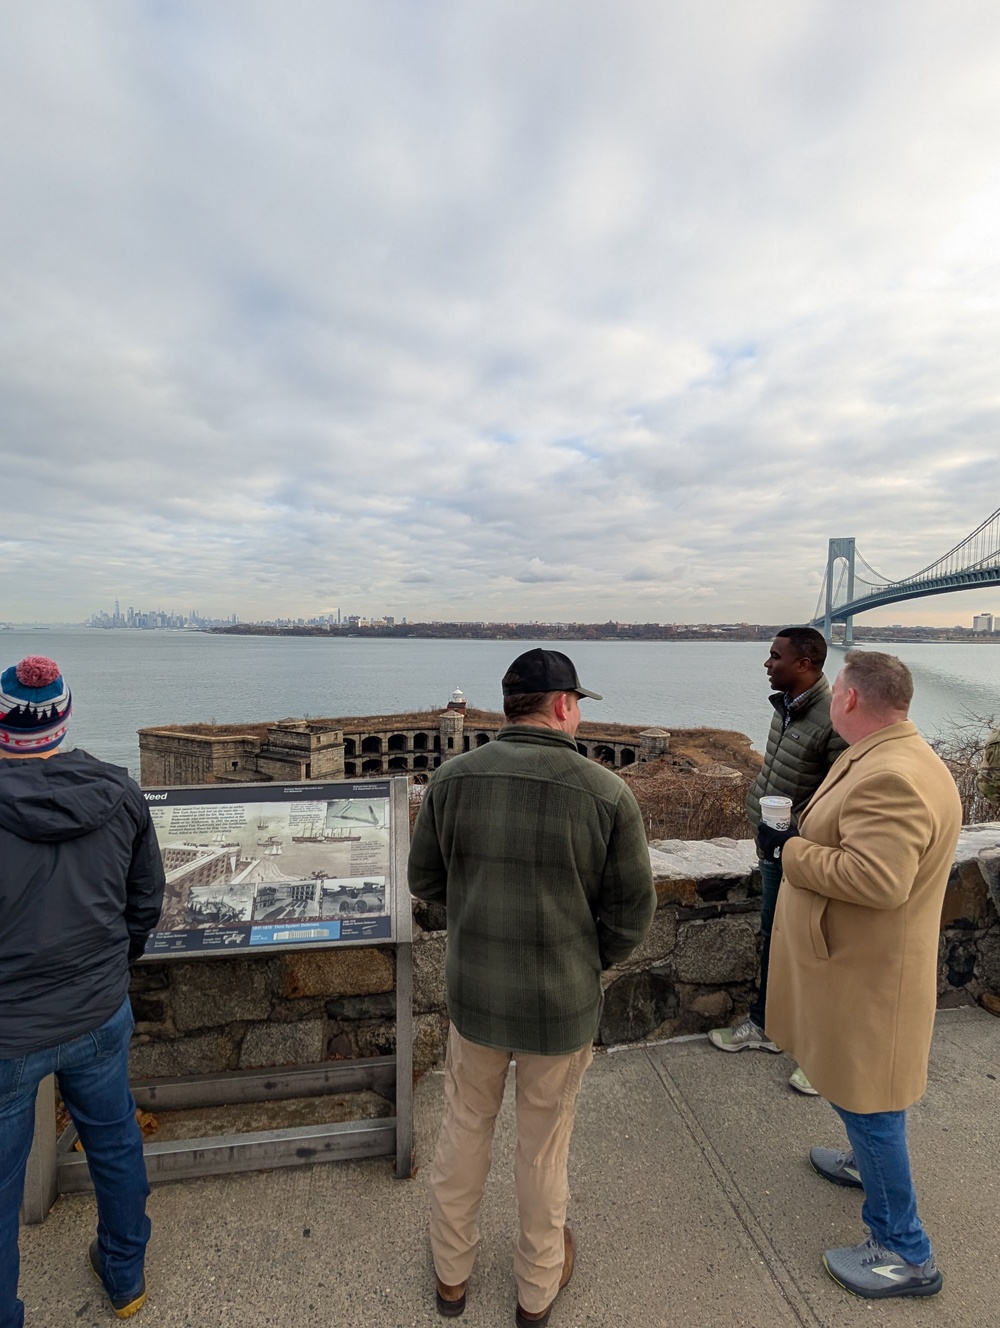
(450, 1300)
(524, 1318)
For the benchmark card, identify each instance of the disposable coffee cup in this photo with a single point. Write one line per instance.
(776, 812)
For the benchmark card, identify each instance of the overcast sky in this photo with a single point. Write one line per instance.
(494, 309)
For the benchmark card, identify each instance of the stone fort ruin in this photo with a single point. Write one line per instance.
(294, 750)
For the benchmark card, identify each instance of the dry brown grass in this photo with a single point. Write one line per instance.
(683, 804)
(254, 730)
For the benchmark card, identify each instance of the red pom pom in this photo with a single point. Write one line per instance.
(37, 671)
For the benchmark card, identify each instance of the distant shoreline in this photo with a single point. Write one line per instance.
(586, 632)
(530, 632)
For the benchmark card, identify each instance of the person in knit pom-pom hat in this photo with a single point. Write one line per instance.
(35, 706)
(81, 884)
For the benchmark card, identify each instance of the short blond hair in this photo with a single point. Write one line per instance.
(881, 680)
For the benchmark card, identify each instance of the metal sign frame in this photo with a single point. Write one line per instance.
(229, 891)
(54, 1167)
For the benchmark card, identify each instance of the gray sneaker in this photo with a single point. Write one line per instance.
(838, 1167)
(741, 1036)
(870, 1270)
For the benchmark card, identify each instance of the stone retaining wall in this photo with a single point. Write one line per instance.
(695, 970)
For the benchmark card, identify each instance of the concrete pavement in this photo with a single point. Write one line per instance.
(693, 1205)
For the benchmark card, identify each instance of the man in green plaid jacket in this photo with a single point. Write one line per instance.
(541, 860)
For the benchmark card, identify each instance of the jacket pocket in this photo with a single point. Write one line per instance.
(817, 929)
(114, 1034)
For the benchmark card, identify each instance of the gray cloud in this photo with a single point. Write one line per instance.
(497, 311)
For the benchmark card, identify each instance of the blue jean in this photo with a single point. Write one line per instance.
(92, 1072)
(770, 880)
(883, 1160)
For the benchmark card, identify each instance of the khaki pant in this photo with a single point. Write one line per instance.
(546, 1093)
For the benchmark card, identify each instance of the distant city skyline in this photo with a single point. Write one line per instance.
(131, 618)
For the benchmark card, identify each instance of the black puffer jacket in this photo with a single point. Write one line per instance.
(81, 885)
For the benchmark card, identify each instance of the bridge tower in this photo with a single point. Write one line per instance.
(839, 548)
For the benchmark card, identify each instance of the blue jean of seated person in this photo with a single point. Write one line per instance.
(92, 1073)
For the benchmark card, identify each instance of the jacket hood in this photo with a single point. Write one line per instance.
(68, 795)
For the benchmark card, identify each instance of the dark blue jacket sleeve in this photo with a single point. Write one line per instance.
(145, 881)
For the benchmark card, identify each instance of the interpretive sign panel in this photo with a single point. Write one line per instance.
(273, 867)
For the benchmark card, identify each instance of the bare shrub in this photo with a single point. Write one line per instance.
(679, 804)
(962, 750)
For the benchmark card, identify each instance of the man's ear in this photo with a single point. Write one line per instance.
(559, 707)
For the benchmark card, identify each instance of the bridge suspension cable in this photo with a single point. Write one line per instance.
(974, 561)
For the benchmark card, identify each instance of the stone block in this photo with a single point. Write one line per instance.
(283, 1044)
(716, 889)
(351, 1008)
(290, 1012)
(659, 942)
(960, 961)
(973, 839)
(428, 974)
(218, 991)
(339, 1048)
(379, 1039)
(988, 861)
(149, 1009)
(204, 1053)
(357, 972)
(719, 951)
(376, 1039)
(430, 1039)
(675, 890)
(713, 1006)
(988, 965)
(966, 900)
(635, 1005)
(148, 977)
(693, 871)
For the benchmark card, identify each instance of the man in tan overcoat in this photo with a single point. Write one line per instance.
(853, 980)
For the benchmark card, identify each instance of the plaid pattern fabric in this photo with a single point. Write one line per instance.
(541, 859)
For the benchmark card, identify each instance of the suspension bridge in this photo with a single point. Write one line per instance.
(851, 585)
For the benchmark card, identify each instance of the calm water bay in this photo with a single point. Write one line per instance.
(123, 681)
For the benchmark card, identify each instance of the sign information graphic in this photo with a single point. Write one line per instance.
(272, 866)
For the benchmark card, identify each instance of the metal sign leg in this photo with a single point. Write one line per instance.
(404, 1061)
(40, 1188)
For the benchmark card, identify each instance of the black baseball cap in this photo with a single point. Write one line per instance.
(543, 671)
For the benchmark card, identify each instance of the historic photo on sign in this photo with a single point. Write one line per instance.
(278, 868)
